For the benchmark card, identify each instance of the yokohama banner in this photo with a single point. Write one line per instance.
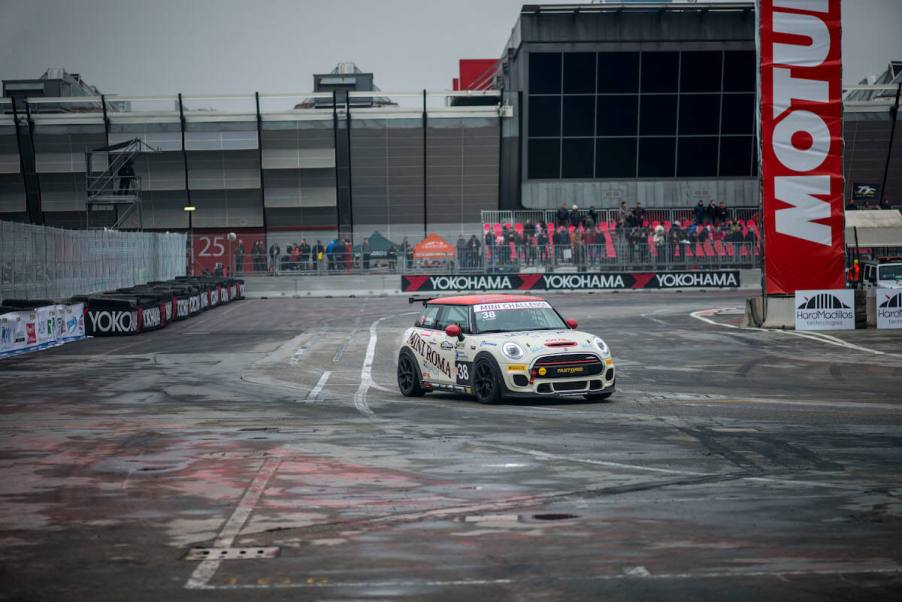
(569, 281)
(801, 144)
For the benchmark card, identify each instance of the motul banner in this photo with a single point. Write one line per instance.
(801, 144)
(570, 281)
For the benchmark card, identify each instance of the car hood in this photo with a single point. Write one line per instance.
(544, 342)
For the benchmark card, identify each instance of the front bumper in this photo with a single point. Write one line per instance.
(525, 383)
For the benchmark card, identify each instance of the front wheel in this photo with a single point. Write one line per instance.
(486, 382)
(409, 377)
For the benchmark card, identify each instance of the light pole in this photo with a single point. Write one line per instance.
(190, 209)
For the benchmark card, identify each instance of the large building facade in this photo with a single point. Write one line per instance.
(644, 103)
(589, 104)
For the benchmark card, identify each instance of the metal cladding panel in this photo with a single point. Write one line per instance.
(9, 154)
(306, 217)
(801, 145)
(220, 170)
(161, 136)
(299, 188)
(227, 208)
(205, 139)
(866, 143)
(60, 151)
(160, 171)
(63, 192)
(293, 148)
(12, 193)
(164, 209)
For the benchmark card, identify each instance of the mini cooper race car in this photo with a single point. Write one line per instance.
(496, 346)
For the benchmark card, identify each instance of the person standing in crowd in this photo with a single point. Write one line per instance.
(239, 257)
(392, 258)
(317, 254)
(576, 243)
(407, 252)
(562, 215)
(623, 213)
(590, 239)
(711, 212)
(699, 212)
(305, 255)
(723, 214)
(462, 251)
(575, 217)
(348, 255)
(542, 244)
(639, 215)
(274, 251)
(593, 216)
(330, 255)
(473, 251)
(365, 253)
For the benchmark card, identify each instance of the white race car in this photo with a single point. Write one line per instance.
(496, 346)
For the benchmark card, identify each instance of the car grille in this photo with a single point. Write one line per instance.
(576, 385)
(567, 366)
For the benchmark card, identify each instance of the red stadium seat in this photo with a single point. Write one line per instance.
(709, 248)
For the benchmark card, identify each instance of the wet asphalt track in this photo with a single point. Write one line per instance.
(729, 466)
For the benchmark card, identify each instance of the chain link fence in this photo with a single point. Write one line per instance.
(39, 263)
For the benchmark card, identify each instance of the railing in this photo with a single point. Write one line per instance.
(653, 216)
(37, 262)
(610, 250)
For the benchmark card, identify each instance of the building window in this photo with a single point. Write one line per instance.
(650, 114)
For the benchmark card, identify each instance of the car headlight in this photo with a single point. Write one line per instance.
(602, 346)
(512, 351)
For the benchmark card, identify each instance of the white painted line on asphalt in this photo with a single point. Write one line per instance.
(549, 456)
(814, 336)
(319, 385)
(297, 356)
(366, 373)
(204, 572)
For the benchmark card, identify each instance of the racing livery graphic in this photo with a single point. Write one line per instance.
(496, 346)
(574, 281)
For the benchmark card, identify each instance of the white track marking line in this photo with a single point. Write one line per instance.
(204, 572)
(366, 373)
(319, 385)
(814, 336)
(549, 456)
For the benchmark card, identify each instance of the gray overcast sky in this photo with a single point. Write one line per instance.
(161, 47)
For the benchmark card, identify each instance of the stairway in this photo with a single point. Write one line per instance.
(114, 197)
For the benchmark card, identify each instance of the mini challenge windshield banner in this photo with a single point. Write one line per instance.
(801, 144)
(569, 281)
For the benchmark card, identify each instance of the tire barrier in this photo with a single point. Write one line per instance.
(32, 324)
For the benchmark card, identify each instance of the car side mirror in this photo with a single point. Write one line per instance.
(571, 323)
(454, 331)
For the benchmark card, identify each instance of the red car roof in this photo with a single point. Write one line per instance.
(478, 299)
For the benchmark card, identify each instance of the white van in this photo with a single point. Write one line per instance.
(882, 275)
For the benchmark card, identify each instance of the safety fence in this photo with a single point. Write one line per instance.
(622, 249)
(652, 216)
(41, 262)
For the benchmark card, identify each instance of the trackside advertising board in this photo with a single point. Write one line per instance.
(889, 308)
(801, 144)
(570, 281)
(825, 310)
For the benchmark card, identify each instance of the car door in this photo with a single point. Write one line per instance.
(424, 341)
(452, 349)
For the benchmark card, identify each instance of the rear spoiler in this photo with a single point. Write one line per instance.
(420, 299)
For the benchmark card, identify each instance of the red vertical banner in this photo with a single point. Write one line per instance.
(801, 144)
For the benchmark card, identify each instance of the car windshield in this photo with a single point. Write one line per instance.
(516, 316)
(889, 272)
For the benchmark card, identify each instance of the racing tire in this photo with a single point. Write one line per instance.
(487, 384)
(409, 381)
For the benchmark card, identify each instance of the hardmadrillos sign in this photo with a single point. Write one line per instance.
(825, 310)
(570, 281)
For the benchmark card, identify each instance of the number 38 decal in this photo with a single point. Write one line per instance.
(463, 372)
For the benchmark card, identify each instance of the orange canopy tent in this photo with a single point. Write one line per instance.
(434, 248)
